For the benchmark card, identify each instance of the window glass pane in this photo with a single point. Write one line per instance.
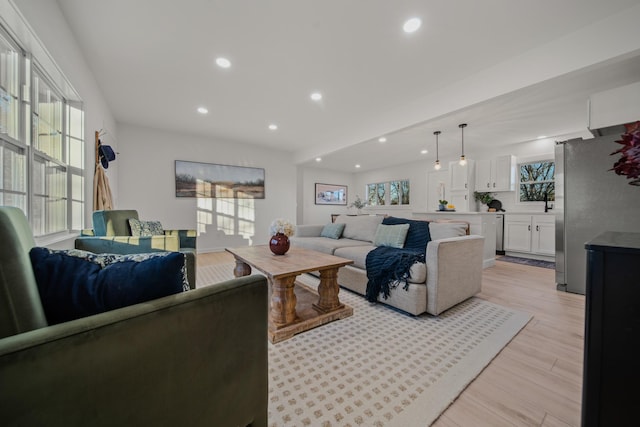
(536, 192)
(14, 164)
(536, 172)
(9, 89)
(380, 193)
(394, 192)
(47, 121)
(371, 195)
(75, 121)
(49, 197)
(537, 181)
(76, 215)
(405, 192)
(76, 153)
(77, 187)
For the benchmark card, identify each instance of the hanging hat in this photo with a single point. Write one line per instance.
(106, 155)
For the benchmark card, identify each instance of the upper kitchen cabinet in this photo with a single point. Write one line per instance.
(461, 177)
(462, 180)
(497, 174)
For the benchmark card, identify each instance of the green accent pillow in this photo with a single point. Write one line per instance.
(332, 231)
(145, 228)
(392, 236)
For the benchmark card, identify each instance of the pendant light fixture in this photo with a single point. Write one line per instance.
(437, 166)
(463, 160)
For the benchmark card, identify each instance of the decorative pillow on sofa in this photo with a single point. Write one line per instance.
(332, 231)
(392, 236)
(418, 235)
(145, 228)
(75, 284)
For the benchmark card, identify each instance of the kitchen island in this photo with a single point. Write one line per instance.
(480, 223)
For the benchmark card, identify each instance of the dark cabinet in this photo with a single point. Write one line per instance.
(611, 378)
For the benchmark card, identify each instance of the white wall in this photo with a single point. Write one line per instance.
(147, 183)
(308, 211)
(63, 53)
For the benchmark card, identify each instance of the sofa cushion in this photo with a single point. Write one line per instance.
(392, 236)
(145, 228)
(332, 231)
(75, 284)
(444, 230)
(358, 254)
(322, 244)
(418, 235)
(360, 227)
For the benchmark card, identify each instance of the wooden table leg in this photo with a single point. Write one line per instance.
(283, 301)
(242, 268)
(328, 291)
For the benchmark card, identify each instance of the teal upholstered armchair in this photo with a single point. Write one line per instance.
(196, 358)
(111, 233)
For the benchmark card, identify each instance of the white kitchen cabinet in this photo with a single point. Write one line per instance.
(460, 199)
(461, 177)
(531, 234)
(462, 180)
(543, 237)
(497, 174)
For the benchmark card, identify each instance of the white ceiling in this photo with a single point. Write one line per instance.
(511, 69)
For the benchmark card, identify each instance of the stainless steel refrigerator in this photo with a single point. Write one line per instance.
(590, 199)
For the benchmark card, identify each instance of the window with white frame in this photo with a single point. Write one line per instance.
(537, 181)
(390, 193)
(41, 145)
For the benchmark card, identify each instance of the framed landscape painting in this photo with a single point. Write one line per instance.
(210, 180)
(330, 194)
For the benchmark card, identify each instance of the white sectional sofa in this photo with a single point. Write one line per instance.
(452, 272)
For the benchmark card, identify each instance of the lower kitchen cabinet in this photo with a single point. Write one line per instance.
(530, 234)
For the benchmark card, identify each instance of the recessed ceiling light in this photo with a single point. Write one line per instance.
(412, 25)
(316, 96)
(382, 139)
(223, 62)
(357, 166)
(542, 137)
(318, 159)
(202, 110)
(424, 152)
(273, 126)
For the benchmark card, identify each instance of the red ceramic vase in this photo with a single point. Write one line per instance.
(279, 244)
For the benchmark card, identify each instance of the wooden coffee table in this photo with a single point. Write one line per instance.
(295, 309)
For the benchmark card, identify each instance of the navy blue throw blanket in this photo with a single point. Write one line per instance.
(387, 267)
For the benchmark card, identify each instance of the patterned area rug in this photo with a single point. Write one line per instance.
(380, 367)
(527, 261)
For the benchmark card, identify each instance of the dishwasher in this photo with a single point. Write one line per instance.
(500, 234)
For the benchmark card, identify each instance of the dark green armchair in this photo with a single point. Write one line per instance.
(197, 358)
(111, 234)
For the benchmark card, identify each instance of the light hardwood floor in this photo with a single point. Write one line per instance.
(537, 378)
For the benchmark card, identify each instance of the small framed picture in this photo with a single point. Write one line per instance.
(331, 194)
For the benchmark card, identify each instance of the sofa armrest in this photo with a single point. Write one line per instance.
(454, 271)
(309, 230)
(187, 238)
(194, 358)
(128, 244)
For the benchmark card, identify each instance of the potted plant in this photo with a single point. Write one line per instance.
(442, 205)
(482, 197)
(357, 204)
